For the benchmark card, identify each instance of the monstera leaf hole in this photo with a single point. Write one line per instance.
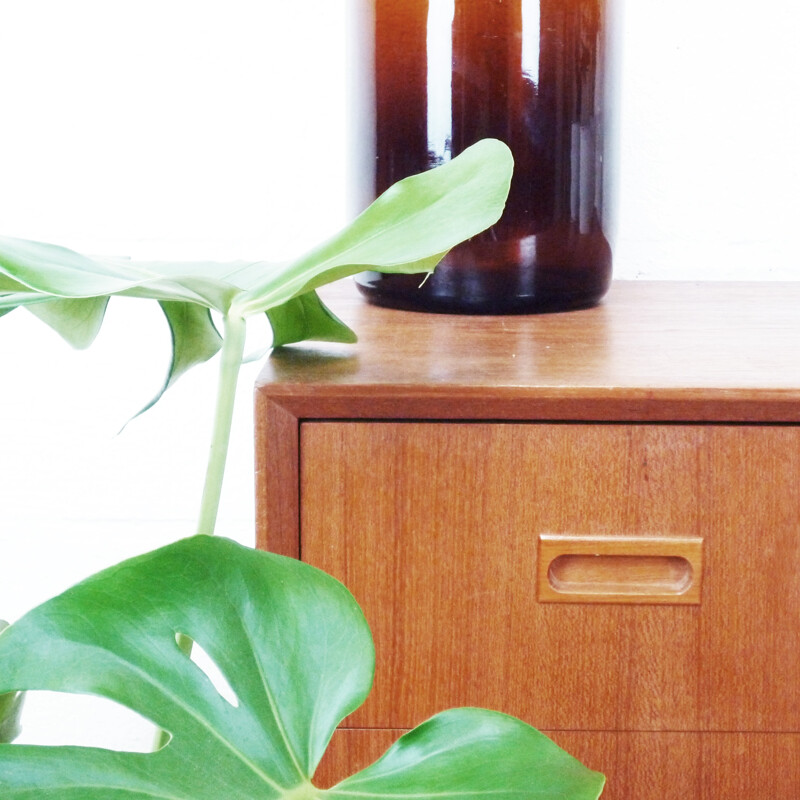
(61, 718)
(297, 648)
(208, 666)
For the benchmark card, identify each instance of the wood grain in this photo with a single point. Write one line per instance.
(422, 464)
(651, 351)
(277, 479)
(434, 527)
(619, 569)
(658, 351)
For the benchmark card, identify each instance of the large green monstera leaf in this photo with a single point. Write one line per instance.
(408, 229)
(297, 653)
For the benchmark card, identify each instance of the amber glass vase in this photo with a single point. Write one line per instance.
(535, 74)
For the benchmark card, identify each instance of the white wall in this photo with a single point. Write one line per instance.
(183, 128)
(709, 143)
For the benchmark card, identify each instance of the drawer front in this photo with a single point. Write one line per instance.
(637, 766)
(435, 528)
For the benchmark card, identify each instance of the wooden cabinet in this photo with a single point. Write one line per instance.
(589, 520)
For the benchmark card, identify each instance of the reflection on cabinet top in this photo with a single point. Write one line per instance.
(649, 351)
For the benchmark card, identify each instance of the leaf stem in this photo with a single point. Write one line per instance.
(230, 363)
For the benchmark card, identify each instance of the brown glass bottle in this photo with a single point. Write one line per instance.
(534, 74)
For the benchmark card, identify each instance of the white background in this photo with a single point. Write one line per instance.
(182, 128)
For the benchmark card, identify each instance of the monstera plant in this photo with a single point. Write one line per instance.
(297, 654)
(10, 707)
(290, 641)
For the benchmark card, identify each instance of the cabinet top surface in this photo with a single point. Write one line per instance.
(685, 341)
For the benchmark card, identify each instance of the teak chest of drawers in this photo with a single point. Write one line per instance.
(590, 520)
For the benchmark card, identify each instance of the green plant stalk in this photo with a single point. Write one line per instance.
(234, 332)
(230, 364)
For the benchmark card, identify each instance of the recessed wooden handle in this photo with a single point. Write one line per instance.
(620, 569)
